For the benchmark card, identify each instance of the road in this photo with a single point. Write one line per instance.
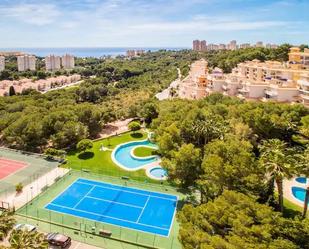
(64, 86)
(165, 94)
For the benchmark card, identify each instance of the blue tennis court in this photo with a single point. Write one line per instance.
(132, 208)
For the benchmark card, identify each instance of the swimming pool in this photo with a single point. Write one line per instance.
(301, 180)
(123, 155)
(299, 193)
(158, 173)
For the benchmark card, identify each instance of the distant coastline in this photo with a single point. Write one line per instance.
(83, 52)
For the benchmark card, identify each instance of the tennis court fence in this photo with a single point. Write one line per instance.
(37, 166)
(91, 231)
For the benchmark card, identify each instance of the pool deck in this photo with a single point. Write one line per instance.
(287, 190)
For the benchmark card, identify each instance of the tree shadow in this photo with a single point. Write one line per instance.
(137, 135)
(86, 155)
(290, 213)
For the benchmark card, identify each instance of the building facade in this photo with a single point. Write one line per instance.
(52, 63)
(2, 63)
(194, 85)
(269, 80)
(67, 61)
(26, 62)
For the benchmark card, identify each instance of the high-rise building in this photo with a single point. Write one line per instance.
(67, 61)
(52, 62)
(233, 45)
(203, 45)
(244, 45)
(2, 63)
(26, 62)
(259, 44)
(196, 45)
(222, 46)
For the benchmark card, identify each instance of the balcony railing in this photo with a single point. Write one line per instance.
(271, 93)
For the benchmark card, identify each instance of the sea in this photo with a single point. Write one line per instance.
(96, 52)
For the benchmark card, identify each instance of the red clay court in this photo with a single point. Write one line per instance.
(8, 167)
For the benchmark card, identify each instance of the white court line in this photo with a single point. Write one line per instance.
(143, 210)
(79, 181)
(83, 197)
(15, 172)
(110, 217)
(99, 186)
(115, 202)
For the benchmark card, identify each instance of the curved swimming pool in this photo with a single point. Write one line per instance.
(299, 193)
(158, 173)
(301, 180)
(123, 155)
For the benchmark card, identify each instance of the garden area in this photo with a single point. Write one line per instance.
(98, 159)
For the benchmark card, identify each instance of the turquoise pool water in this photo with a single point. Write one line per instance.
(158, 173)
(301, 180)
(299, 193)
(123, 156)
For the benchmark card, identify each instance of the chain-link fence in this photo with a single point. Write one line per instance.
(37, 166)
(48, 220)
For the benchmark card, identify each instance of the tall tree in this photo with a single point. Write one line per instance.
(230, 164)
(305, 171)
(236, 221)
(185, 165)
(279, 162)
(27, 240)
(12, 91)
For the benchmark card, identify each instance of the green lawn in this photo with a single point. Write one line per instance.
(291, 209)
(144, 151)
(101, 162)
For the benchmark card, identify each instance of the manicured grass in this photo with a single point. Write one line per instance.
(143, 151)
(98, 161)
(291, 209)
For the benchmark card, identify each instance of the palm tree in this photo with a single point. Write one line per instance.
(26, 240)
(7, 222)
(280, 162)
(305, 171)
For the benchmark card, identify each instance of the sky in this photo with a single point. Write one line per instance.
(150, 23)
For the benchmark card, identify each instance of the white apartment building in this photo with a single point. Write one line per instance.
(2, 63)
(26, 62)
(67, 61)
(216, 80)
(194, 85)
(52, 63)
(303, 87)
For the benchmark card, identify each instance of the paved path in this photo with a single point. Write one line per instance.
(78, 245)
(64, 86)
(165, 94)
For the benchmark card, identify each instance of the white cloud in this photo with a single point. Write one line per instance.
(38, 14)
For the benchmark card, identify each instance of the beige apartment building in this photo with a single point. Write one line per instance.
(67, 61)
(269, 80)
(303, 87)
(52, 63)
(216, 80)
(2, 63)
(194, 85)
(26, 62)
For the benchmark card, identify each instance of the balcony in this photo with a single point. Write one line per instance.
(303, 82)
(305, 97)
(243, 90)
(226, 87)
(271, 93)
